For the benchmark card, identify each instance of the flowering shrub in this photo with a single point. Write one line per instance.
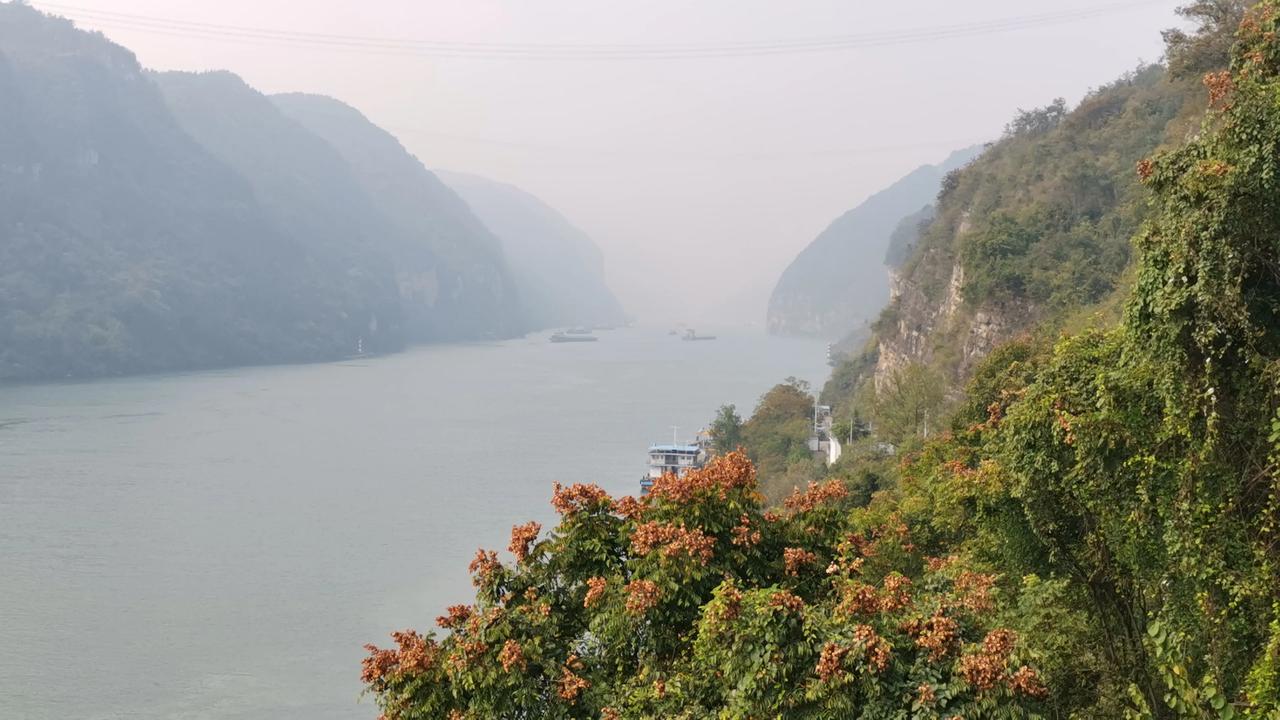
(642, 596)
(689, 602)
(673, 540)
(595, 590)
(522, 536)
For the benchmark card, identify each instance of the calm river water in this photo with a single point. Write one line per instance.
(221, 544)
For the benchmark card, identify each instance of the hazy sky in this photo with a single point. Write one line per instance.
(700, 177)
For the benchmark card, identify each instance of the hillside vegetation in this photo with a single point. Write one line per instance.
(1033, 236)
(124, 245)
(305, 187)
(1086, 529)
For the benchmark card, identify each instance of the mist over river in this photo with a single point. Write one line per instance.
(221, 544)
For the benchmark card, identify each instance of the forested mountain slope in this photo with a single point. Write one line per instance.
(558, 268)
(1031, 235)
(838, 282)
(124, 245)
(170, 221)
(307, 188)
(454, 279)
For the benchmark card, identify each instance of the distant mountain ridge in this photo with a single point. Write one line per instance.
(455, 280)
(124, 245)
(839, 281)
(559, 269)
(303, 183)
(156, 222)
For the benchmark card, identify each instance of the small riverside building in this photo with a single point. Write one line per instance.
(676, 459)
(823, 442)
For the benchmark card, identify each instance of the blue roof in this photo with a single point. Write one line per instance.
(673, 448)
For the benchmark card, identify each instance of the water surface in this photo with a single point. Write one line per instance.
(221, 544)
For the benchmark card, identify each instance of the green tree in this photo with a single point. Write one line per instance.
(854, 428)
(726, 429)
(1208, 46)
(908, 405)
(776, 437)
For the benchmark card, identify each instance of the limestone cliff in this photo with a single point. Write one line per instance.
(1030, 236)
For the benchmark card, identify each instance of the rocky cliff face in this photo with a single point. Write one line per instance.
(1032, 235)
(918, 329)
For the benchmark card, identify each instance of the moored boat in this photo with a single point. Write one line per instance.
(676, 459)
(567, 338)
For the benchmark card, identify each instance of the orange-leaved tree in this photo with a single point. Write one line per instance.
(694, 601)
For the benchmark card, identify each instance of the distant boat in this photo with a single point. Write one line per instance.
(690, 334)
(565, 337)
(672, 332)
(578, 331)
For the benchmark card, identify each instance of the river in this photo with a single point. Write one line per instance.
(221, 544)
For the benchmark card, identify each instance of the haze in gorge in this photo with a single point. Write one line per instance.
(664, 140)
(819, 360)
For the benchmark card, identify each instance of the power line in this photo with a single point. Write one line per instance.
(589, 51)
(661, 50)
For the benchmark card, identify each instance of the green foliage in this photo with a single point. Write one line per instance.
(695, 603)
(1128, 474)
(1035, 234)
(1208, 46)
(994, 259)
(1131, 472)
(1039, 120)
(1050, 209)
(863, 472)
(848, 378)
(1031, 233)
(1263, 683)
(776, 437)
(726, 429)
(908, 405)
